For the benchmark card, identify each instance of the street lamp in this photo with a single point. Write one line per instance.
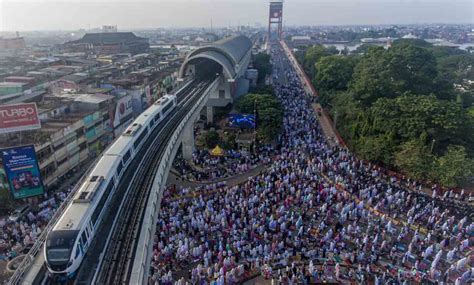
(432, 145)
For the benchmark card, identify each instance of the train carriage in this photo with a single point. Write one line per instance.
(68, 242)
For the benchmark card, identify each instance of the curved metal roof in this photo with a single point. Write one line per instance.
(219, 58)
(228, 52)
(234, 47)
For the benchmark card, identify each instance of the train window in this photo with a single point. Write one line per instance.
(126, 157)
(139, 139)
(152, 123)
(157, 117)
(84, 237)
(59, 245)
(77, 252)
(100, 205)
(119, 168)
(167, 107)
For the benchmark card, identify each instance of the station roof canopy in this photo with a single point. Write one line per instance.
(228, 52)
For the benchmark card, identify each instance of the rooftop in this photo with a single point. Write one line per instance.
(109, 38)
(12, 84)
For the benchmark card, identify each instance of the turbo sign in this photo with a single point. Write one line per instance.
(18, 117)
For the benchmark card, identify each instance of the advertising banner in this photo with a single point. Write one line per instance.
(18, 117)
(244, 121)
(123, 110)
(22, 171)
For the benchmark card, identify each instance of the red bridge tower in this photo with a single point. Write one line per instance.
(276, 17)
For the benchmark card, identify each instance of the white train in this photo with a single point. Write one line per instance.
(67, 244)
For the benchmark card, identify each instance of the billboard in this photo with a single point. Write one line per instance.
(19, 117)
(123, 110)
(22, 171)
(244, 121)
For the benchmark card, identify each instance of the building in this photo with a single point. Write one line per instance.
(30, 81)
(110, 43)
(73, 130)
(109, 28)
(9, 88)
(252, 76)
(12, 43)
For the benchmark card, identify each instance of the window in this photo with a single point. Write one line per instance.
(59, 245)
(126, 157)
(167, 107)
(140, 138)
(84, 237)
(157, 117)
(82, 146)
(119, 168)
(77, 252)
(103, 199)
(44, 153)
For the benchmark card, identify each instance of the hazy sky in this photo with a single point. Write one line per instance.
(127, 14)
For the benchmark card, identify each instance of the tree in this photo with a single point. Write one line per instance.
(211, 139)
(414, 158)
(269, 113)
(313, 54)
(6, 200)
(334, 72)
(389, 73)
(410, 116)
(362, 49)
(229, 140)
(378, 148)
(262, 63)
(412, 68)
(371, 77)
(411, 42)
(454, 167)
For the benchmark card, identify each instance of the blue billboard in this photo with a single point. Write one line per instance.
(244, 121)
(22, 171)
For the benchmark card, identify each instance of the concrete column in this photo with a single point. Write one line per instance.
(210, 114)
(188, 142)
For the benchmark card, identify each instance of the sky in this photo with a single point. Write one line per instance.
(33, 15)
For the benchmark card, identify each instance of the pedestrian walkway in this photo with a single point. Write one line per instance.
(326, 125)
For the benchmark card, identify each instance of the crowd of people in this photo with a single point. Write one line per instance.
(19, 234)
(206, 167)
(316, 214)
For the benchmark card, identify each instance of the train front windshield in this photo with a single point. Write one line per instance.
(59, 246)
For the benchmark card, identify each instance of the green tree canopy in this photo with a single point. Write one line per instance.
(398, 106)
(410, 116)
(262, 63)
(454, 167)
(211, 139)
(387, 74)
(313, 54)
(334, 72)
(371, 78)
(269, 113)
(414, 158)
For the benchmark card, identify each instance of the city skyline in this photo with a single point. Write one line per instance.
(31, 15)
